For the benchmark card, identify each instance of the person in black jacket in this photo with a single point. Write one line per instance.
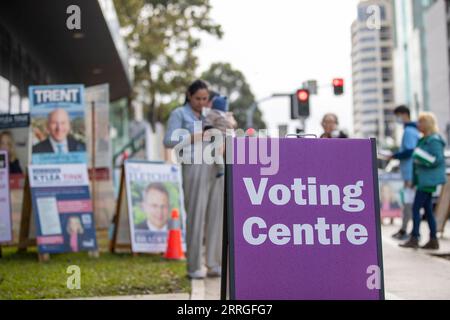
(59, 140)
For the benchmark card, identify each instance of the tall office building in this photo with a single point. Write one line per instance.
(437, 27)
(410, 55)
(372, 69)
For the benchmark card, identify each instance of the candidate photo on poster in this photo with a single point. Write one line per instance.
(58, 128)
(59, 133)
(152, 204)
(155, 205)
(74, 229)
(9, 144)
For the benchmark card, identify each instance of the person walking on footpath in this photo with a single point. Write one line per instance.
(198, 177)
(429, 172)
(409, 142)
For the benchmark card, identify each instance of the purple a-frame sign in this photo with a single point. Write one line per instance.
(309, 231)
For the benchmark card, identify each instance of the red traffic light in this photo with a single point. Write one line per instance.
(300, 103)
(338, 86)
(338, 82)
(302, 95)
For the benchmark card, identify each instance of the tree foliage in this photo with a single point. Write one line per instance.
(232, 83)
(162, 36)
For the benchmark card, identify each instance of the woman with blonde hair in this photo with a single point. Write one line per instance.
(7, 143)
(429, 172)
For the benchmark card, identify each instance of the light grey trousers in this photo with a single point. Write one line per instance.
(407, 216)
(214, 223)
(203, 195)
(407, 207)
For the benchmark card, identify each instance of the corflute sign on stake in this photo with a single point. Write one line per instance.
(62, 208)
(311, 228)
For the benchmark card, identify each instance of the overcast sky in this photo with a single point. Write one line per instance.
(279, 44)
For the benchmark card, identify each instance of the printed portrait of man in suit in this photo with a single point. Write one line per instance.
(156, 206)
(59, 140)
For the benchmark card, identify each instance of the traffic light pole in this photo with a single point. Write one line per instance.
(254, 106)
(337, 83)
(303, 124)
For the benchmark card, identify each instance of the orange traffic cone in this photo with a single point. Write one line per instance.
(174, 241)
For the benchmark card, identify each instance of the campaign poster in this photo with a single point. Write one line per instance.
(153, 191)
(97, 101)
(62, 208)
(304, 220)
(58, 124)
(392, 195)
(5, 201)
(14, 137)
(97, 97)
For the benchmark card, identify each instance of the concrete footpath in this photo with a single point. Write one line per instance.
(416, 274)
(408, 274)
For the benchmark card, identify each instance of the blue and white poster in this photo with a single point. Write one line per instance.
(62, 208)
(58, 124)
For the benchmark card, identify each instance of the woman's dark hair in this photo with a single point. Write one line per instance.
(194, 87)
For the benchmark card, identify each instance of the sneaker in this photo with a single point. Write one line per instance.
(433, 244)
(413, 242)
(199, 274)
(214, 272)
(400, 235)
